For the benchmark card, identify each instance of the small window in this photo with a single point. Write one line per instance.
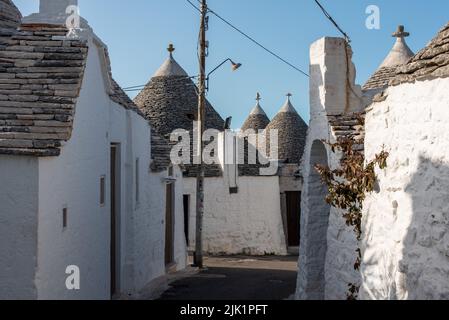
(137, 182)
(170, 171)
(64, 218)
(102, 190)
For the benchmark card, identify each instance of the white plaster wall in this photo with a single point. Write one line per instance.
(72, 180)
(249, 222)
(406, 239)
(18, 226)
(327, 96)
(151, 249)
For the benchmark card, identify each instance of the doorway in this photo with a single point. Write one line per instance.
(186, 202)
(169, 224)
(293, 199)
(115, 218)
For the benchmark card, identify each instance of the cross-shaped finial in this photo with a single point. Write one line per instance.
(400, 33)
(171, 48)
(258, 98)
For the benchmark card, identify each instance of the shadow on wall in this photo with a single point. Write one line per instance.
(316, 85)
(314, 237)
(424, 268)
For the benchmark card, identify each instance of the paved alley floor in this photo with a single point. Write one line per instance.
(237, 278)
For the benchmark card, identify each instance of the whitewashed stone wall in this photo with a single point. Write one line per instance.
(328, 247)
(406, 238)
(35, 249)
(72, 181)
(151, 247)
(19, 180)
(249, 222)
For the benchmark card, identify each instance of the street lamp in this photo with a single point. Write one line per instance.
(203, 87)
(234, 67)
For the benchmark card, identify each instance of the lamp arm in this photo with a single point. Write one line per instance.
(208, 75)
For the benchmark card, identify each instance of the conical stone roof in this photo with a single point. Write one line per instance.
(430, 63)
(170, 102)
(399, 55)
(170, 68)
(257, 119)
(10, 17)
(292, 133)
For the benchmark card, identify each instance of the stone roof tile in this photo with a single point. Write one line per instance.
(292, 133)
(170, 102)
(160, 152)
(257, 119)
(399, 55)
(119, 96)
(10, 17)
(40, 80)
(380, 79)
(431, 62)
(349, 126)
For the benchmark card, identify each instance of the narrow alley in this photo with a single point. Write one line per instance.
(237, 278)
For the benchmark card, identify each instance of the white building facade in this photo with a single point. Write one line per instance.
(83, 189)
(243, 208)
(404, 242)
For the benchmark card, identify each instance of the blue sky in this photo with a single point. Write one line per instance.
(137, 33)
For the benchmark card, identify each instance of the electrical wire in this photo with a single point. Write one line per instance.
(193, 5)
(243, 34)
(331, 20)
(134, 87)
(257, 42)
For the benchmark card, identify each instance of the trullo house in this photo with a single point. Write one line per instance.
(85, 185)
(246, 212)
(405, 238)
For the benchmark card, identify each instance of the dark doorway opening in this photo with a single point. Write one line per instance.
(186, 202)
(115, 216)
(169, 224)
(293, 199)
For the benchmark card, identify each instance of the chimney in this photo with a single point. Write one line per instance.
(332, 78)
(53, 12)
(55, 7)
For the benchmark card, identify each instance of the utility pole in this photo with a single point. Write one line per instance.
(201, 127)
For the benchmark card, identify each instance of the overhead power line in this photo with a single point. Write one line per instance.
(332, 20)
(271, 52)
(134, 87)
(258, 43)
(193, 5)
(253, 40)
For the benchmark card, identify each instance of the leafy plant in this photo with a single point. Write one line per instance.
(348, 186)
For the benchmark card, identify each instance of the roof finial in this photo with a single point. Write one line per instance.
(258, 98)
(289, 95)
(400, 32)
(171, 49)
